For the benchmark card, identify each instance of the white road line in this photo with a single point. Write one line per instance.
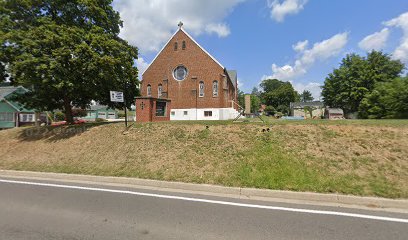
(298, 210)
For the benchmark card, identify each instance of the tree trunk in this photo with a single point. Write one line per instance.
(68, 111)
(37, 116)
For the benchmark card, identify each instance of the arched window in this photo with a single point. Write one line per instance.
(175, 46)
(159, 91)
(149, 90)
(183, 45)
(201, 89)
(215, 88)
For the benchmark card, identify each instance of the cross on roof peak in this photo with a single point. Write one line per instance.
(180, 24)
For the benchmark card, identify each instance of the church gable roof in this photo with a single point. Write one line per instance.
(192, 39)
(233, 76)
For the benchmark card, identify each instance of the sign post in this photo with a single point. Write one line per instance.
(119, 97)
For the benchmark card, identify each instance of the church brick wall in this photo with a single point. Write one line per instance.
(201, 67)
(146, 110)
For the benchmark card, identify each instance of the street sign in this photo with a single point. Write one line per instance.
(116, 96)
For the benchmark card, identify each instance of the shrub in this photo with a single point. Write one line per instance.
(270, 111)
(278, 115)
(121, 114)
(100, 120)
(78, 112)
(59, 116)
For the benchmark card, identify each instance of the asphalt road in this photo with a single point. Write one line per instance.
(51, 212)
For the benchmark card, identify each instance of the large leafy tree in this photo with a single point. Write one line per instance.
(255, 103)
(66, 52)
(278, 94)
(256, 92)
(306, 96)
(356, 77)
(3, 73)
(270, 85)
(387, 100)
(241, 98)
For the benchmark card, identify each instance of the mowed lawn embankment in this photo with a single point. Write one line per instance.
(368, 158)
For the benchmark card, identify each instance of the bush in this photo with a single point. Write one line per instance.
(283, 109)
(121, 114)
(278, 115)
(78, 112)
(100, 120)
(387, 100)
(270, 111)
(59, 116)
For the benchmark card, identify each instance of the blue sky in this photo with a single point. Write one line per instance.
(293, 40)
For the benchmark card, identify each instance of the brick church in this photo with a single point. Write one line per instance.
(184, 82)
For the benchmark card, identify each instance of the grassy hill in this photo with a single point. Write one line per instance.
(367, 158)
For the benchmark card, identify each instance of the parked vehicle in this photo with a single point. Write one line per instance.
(76, 121)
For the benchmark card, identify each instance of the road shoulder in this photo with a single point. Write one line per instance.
(319, 199)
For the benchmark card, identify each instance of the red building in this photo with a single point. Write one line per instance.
(196, 84)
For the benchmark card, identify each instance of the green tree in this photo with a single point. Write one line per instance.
(309, 110)
(255, 103)
(3, 73)
(387, 100)
(241, 98)
(255, 92)
(356, 77)
(270, 85)
(278, 94)
(306, 96)
(66, 52)
(270, 110)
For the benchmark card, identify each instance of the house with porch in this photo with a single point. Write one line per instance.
(100, 111)
(305, 110)
(12, 113)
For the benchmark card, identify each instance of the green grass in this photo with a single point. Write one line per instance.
(267, 165)
(359, 122)
(273, 121)
(367, 158)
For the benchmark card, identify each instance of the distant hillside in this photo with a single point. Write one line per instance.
(361, 158)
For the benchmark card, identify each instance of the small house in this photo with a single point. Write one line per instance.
(100, 111)
(12, 113)
(314, 110)
(334, 113)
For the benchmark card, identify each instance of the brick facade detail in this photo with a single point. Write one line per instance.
(201, 68)
(146, 109)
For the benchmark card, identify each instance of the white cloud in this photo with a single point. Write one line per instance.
(319, 52)
(220, 28)
(280, 10)
(375, 41)
(401, 52)
(300, 46)
(240, 83)
(314, 88)
(148, 24)
(141, 65)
